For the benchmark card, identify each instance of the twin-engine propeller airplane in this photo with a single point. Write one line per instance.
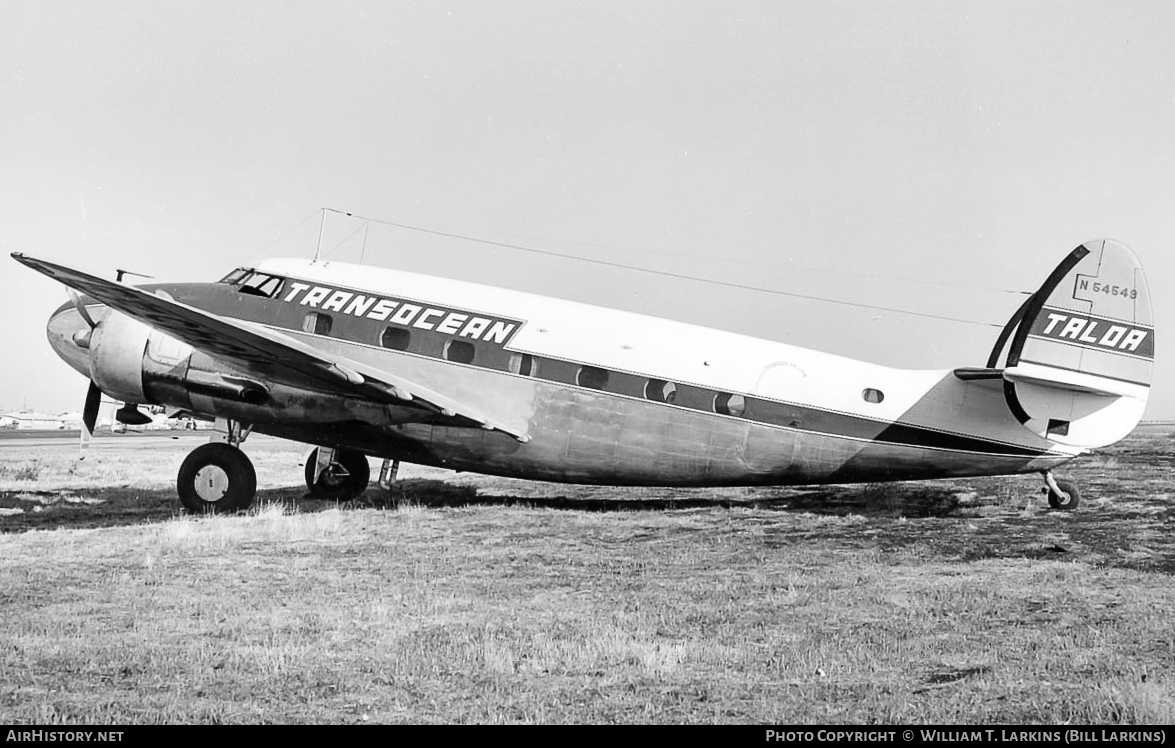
(363, 361)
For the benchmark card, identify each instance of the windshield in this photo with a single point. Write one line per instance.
(234, 277)
(254, 283)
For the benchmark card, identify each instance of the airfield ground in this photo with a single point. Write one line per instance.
(491, 600)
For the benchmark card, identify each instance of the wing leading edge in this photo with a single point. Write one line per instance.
(268, 352)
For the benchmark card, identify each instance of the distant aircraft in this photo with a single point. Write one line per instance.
(365, 361)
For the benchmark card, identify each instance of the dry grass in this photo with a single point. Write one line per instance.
(487, 601)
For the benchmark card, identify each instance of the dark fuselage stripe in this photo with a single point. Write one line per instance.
(792, 416)
(219, 298)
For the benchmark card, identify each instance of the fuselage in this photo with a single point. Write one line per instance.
(605, 396)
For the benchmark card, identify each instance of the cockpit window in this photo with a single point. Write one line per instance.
(261, 284)
(235, 276)
(254, 283)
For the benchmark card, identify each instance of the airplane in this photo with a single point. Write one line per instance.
(361, 361)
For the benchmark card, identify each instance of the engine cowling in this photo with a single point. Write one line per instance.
(116, 357)
(141, 365)
(138, 364)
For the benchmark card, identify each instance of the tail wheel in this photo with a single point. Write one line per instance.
(1067, 500)
(343, 480)
(216, 478)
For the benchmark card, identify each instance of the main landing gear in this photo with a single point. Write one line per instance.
(218, 477)
(343, 474)
(337, 474)
(1063, 495)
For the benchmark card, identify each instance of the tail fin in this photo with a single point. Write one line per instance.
(1081, 349)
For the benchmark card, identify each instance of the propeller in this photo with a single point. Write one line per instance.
(90, 415)
(128, 413)
(93, 394)
(77, 302)
(81, 338)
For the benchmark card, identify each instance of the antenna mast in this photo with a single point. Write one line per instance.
(321, 228)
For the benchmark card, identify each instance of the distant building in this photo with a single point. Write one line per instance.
(31, 421)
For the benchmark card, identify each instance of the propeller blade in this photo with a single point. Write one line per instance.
(90, 415)
(77, 302)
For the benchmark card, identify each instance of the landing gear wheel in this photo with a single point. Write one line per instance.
(345, 479)
(216, 478)
(1066, 501)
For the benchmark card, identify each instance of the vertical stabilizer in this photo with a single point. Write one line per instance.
(1079, 361)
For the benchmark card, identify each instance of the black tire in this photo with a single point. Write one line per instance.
(216, 478)
(1065, 503)
(345, 479)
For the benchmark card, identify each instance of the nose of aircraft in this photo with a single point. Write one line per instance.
(69, 334)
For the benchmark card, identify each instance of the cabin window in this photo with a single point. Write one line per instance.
(317, 323)
(590, 376)
(730, 405)
(523, 363)
(872, 396)
(660, 391)
(396, 338)
(460, 351)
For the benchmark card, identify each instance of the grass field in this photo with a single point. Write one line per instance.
(490, 600)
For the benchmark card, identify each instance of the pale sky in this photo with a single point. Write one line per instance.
(926, 156)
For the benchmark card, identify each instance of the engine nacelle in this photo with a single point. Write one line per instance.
(116, 357)
(140, 365)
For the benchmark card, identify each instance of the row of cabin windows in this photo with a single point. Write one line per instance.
(463, 352)
(460, 351)
(661, 391)
(395, 338)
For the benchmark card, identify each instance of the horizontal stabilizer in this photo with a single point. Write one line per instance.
(972, 374)
(1046, 376)
(1076, 381)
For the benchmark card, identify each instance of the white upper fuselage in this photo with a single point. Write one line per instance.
(684, 353)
